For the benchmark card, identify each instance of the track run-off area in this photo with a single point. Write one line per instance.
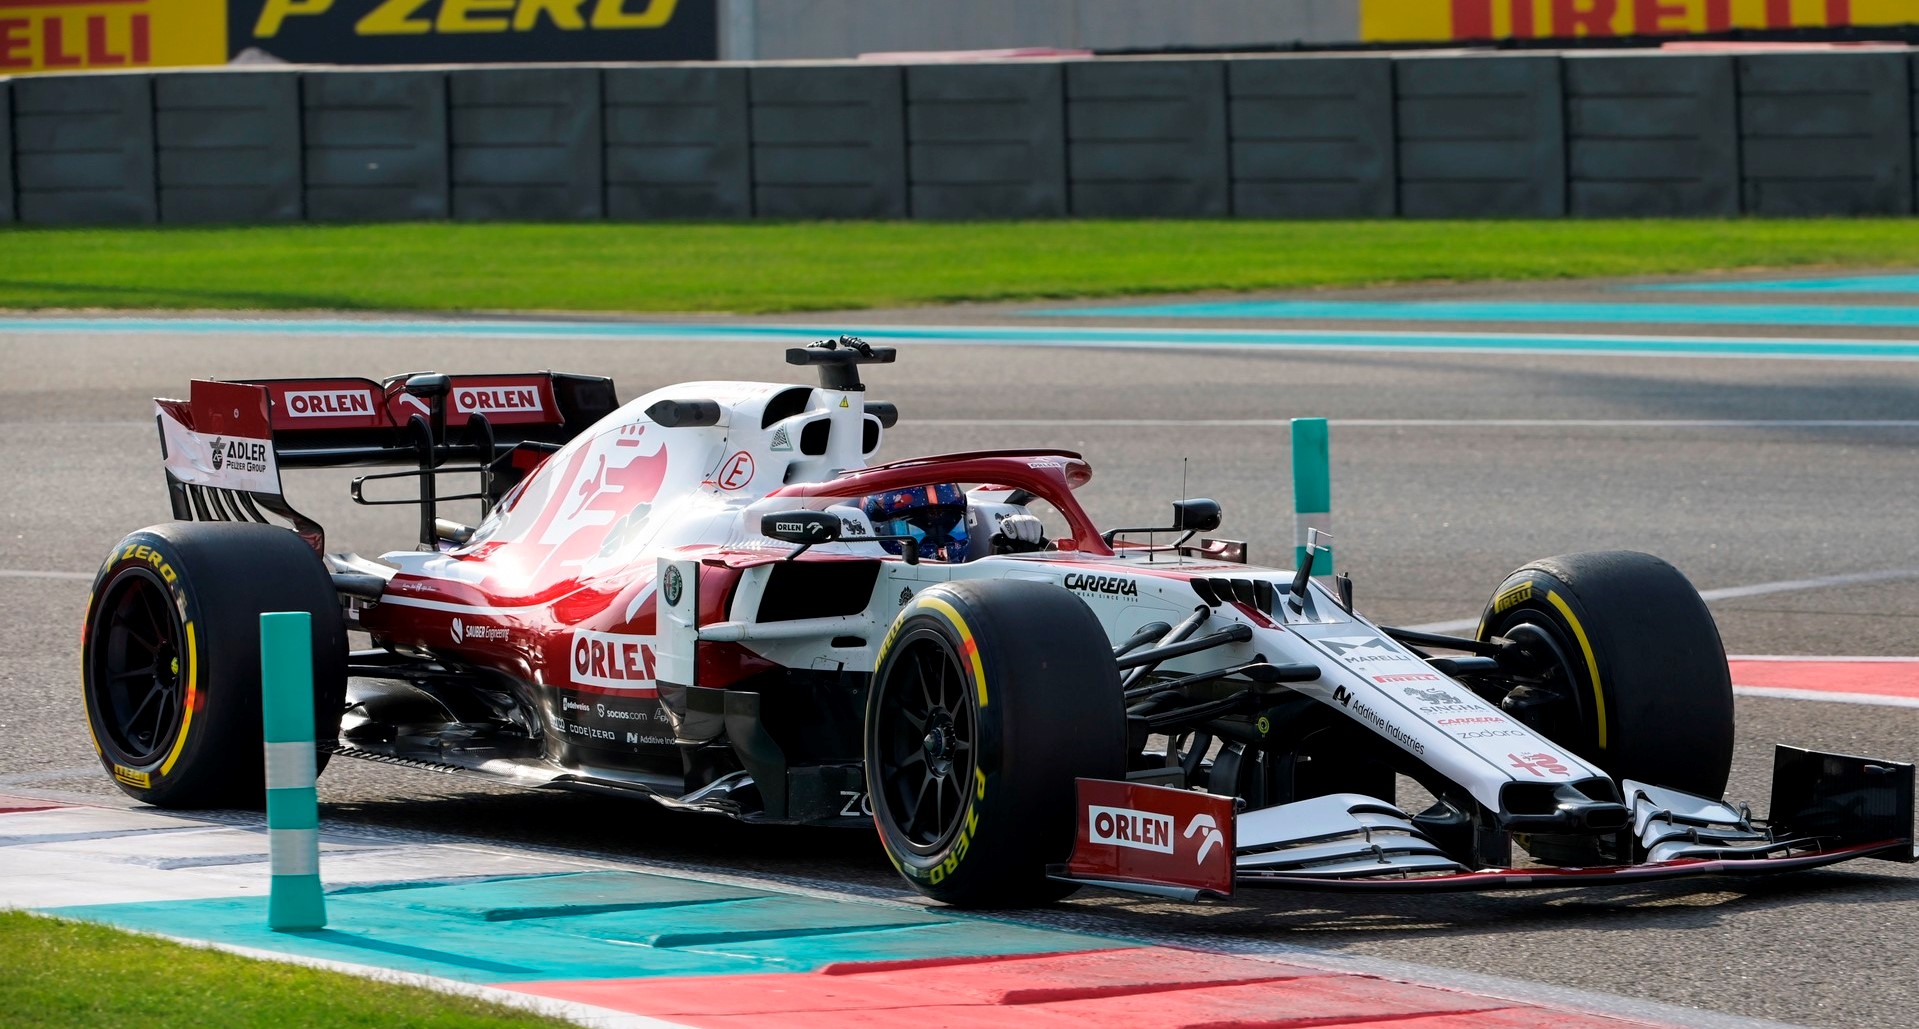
(1761, 435)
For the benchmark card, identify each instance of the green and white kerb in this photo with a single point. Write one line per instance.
(296, 903)
(1312, 490)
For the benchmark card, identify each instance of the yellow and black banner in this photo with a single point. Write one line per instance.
(1468, 20)
(99, 35)
(82, 35)
(461, 31)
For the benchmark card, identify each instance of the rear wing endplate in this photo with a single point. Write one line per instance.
(224, 447)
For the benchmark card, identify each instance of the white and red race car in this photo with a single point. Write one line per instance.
(687, 598)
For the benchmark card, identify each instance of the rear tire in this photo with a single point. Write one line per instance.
(171, 657)
(989, 700)
(1637, 660)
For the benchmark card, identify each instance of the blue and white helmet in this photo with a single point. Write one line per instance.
(934, 516)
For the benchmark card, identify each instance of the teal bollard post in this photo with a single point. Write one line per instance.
(1312, 490)
(296, 903)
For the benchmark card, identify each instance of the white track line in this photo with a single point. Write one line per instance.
(1430, 423)
(1735, 592)
(1879, 658)
(48, 775)
(1822, 696)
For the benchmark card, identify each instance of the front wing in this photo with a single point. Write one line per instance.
(1826, 808)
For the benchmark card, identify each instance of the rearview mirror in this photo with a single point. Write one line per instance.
(1196, 515)
(805, 528)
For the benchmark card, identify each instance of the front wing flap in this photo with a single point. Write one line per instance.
(1826, 808)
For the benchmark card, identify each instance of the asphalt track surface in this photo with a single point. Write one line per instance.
(1449, 470)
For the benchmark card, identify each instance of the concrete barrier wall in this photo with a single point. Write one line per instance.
(6, 154)
(1312, 138)
(1147, 138)
(1536, 135)
(828, 141)
(83, 150)
(986, 142)
(524, 143)
(1826, 136)
(376, 145)
(676, 143)
(227, 147)
(1651, 136)
(1481, 138)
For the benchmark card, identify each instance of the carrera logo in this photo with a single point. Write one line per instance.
(612, 661)
(1104, 585)
(493, 399)
(329, 403)
(1125, 827)
(1474, 720)
(1408, 677)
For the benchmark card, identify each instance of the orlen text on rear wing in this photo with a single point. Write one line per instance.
(224, 446)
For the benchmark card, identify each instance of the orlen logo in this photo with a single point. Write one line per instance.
(492, 399)
(1125, 827)
(328, 403)
(613, 661)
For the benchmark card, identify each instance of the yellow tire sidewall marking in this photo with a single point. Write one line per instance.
(186, 713)
(1592, 663)
(969, 647)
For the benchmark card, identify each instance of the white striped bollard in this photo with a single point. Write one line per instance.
(293, 805)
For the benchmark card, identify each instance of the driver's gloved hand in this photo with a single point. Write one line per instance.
(1020, 534)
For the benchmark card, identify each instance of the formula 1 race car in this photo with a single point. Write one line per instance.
(703, 597)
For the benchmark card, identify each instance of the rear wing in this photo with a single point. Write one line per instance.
(225, 445)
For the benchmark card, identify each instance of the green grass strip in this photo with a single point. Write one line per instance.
(75, 975)
(773, 266)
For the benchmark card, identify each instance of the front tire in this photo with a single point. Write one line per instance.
(171, 657)
(989, 700)
(1634, 660)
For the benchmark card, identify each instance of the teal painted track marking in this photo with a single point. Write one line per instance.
(1041, 335)
(1517, 311)
(1852, 284)
(590, 925)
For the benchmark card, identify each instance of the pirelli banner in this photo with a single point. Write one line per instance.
(1468, 20)
(80, 35)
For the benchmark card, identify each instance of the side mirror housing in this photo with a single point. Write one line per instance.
(805, 528)
(1196, 515)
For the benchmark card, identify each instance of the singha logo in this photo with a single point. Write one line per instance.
(1429, 696)
(219, 453)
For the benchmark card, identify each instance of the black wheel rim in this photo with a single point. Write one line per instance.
(928, 736)
(139, 691)
(1567, 718)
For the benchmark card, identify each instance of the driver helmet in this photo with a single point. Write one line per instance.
(934, 516)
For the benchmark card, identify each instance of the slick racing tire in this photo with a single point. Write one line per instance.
(989, 699)
(170, 657)
(1636, 676)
